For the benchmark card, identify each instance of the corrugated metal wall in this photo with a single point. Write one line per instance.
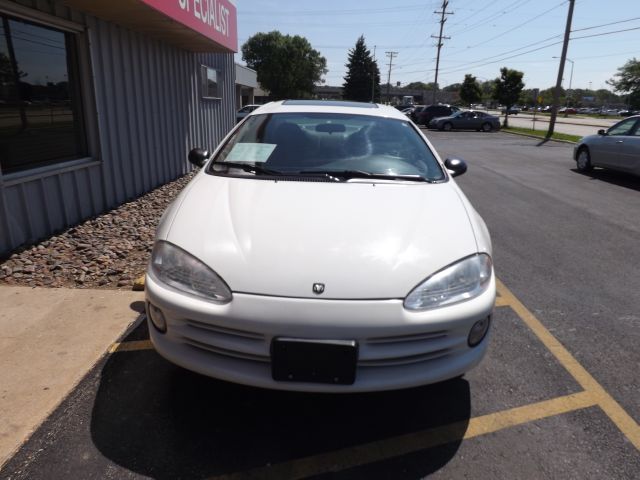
(149, 114)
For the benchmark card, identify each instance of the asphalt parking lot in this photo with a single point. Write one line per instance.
(556, 396)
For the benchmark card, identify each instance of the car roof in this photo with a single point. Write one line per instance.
(330, 106)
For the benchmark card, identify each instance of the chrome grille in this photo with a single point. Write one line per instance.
(395, 350)
(225, 352)
(223, 341)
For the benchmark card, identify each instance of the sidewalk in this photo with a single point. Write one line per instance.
(49, 339)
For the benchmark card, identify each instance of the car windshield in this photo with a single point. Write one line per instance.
(338, 145)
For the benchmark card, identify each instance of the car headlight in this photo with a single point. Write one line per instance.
(184, 272)
(456, 283)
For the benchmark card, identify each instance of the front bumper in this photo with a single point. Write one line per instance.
(397, 348)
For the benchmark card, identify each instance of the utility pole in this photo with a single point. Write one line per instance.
(390, 55)
(556, 92)
(373, 76)
(443, 19)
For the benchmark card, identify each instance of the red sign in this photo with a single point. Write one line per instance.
(215, 19)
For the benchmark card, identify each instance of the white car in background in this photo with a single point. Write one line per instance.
(324, 246)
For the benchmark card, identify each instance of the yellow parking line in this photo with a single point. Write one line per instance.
(131, 346)
(501, 302)
(627, 425)
(594, 394)
(413, 442)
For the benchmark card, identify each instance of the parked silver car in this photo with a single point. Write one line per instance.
(617, 148)
(468, 120)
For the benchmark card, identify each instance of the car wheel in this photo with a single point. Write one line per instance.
(486, 127)
(447, 127)
(583, 162)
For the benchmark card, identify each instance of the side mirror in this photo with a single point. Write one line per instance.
(602, 132)
(198, 156)
(455, 166)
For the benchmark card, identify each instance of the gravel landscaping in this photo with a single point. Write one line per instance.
(108, 251)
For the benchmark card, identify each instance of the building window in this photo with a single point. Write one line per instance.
(209, 82)
(40, 103)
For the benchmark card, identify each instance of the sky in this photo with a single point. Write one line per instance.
(484, 36)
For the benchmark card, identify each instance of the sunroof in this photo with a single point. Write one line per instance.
(329, 103)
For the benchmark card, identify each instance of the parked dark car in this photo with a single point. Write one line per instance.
(426, 114)
(416, 110)
(512, 111)
(467, 120)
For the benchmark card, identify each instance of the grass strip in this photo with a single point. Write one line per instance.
(543, 134)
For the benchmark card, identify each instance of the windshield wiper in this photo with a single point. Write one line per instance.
(248, 167)
(349, 174)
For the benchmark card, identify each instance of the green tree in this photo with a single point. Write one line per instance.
(487, 90)
(547, 96)
(286, 66)
(627, 80)
(470, 91)
(507, 88)
(454, 87)
(362, 81)
(420, 86)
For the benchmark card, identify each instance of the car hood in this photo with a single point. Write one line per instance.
(360, 239)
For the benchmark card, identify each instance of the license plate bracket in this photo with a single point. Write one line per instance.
(314, 361)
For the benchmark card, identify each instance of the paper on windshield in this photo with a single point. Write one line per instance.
(250, 152)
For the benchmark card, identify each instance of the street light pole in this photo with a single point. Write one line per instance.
(569, 89)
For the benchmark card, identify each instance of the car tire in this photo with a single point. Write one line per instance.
(486, 127)
(447, 127)
(583, 161)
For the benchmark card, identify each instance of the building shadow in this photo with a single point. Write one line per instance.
(161, 421)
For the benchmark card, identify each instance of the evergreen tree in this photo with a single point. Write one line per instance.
(363, 76)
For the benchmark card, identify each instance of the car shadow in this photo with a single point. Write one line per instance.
(620, 179)
(161, 421)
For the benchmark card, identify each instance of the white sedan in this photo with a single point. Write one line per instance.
(323, 246)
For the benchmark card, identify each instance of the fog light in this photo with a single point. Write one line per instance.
(157, 318)
(478, 331)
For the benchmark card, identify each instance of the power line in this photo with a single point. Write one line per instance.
(332, 12)
(476, 12)
(472, 66)
(606, 33)
(478, 65)
(513, 6)
(605, 24)
(22, 39)
(484, 42)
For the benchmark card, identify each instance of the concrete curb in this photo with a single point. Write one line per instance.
(51, 338)
(538, 138)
